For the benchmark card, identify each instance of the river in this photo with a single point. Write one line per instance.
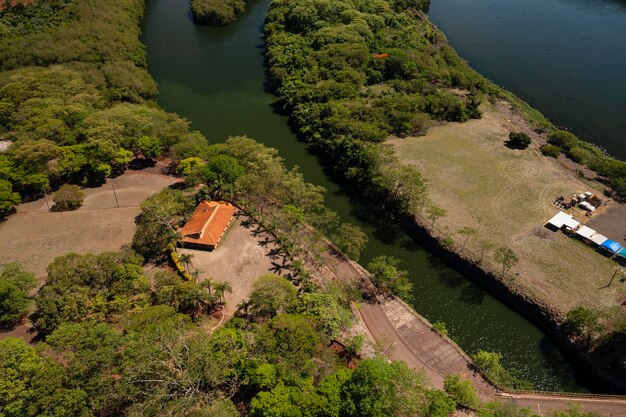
(215, 77)
(565, 57)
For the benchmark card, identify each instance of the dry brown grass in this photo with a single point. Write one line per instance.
(34, 237)
(506, 196)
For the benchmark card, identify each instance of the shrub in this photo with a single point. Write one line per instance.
(550, 150)
(440, 327)
(582, 320)
(519, 140)
(563, 140)
(69, 197)
(490, 363)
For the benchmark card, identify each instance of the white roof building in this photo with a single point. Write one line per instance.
(586, 232)
(598, 239)
(559, 219)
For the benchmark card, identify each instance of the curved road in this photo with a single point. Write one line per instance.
(405, 336)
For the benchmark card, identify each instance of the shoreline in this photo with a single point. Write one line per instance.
(520, 303)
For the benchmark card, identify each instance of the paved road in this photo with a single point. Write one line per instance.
(422, 350)
(404, 336)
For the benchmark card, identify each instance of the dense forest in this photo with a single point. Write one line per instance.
(76, 99)
(351, 73)
(115, 338)
(216, 12)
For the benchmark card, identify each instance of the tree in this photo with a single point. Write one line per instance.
(186, 258)
(15, 284)
(466, 232)
(519, 140)
(382, 389)
(350, 239)
(271, 294)
(505, 257)
(324, 308)
(149, 146)
(388, 278)
(434, 212)
(223, 287)
(8, 198)
(490, 363)
(462, 391)
(485, 246)
(439, 404)
(68, 197)
(36, 386)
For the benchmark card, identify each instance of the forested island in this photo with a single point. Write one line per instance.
(217, 12)
(131, 332)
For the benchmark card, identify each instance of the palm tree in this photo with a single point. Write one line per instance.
(221, 288)
(195, 302)
(186, 258)
(207, 284)
(243, 307)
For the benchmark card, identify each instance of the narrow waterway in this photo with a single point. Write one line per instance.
(215, 77)
(565, 57)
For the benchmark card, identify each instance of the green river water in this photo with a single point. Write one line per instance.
(215, 77)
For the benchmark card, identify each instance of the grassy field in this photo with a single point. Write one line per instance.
(105, 222)
(506, 196)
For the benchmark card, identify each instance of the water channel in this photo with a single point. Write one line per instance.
(215, 78)
(565, 57)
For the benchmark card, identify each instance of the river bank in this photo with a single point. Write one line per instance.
(216, 78)
(345, 117)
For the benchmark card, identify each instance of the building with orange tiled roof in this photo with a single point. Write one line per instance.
(207, 225)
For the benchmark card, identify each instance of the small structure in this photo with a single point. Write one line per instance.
(559, 220)
(611, 246)
(562, 219)
(598, 239)
(587, 206)
(586, 233)
(207, 225)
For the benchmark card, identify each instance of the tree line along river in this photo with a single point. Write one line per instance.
(215, 77)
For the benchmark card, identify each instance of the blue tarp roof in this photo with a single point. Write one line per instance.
(611, 245)
(622, 253)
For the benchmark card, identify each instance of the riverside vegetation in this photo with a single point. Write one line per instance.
(216, 12)
(77, 104)
(351, 74)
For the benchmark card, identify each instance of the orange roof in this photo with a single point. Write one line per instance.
(380, 56)
(208, 223)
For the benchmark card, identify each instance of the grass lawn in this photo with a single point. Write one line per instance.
(506, 196)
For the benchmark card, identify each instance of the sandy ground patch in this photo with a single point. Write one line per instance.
(242, 256)
(34, 237)
(506, 195)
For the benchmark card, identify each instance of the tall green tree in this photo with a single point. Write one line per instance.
(15, 284)
(388, 278)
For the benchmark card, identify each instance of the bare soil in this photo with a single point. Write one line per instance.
(506, 195)
(34, 236)
(243, 255)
